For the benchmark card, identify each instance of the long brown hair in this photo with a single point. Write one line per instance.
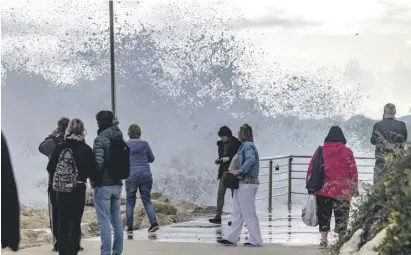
(245, 133)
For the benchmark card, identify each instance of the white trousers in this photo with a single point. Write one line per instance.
(244, 211)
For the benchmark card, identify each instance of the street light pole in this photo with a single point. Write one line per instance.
(112, 60)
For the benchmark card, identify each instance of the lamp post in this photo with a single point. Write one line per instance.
(112, 60)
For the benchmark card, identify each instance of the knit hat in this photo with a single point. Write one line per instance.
(225, 131)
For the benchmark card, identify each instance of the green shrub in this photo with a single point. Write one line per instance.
(383, 204)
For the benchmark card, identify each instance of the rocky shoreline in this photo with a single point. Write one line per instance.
(35, 225)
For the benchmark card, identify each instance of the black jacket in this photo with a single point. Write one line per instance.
(388, 135)
(228, 149)
(47, 147)
(83, 156)
(10, 208)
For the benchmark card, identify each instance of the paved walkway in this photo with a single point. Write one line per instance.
(283, 233)
(132, 247)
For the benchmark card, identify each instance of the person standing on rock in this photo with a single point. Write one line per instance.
(71, 163)
(46, 148)
(112, 161)
(140, 178)
(340, 184)
(388, 135)
(244, 209)
(227, 147)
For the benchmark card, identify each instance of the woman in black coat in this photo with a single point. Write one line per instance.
(71, 203)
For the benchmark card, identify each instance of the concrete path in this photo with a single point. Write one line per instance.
(283, 233)
(133, 247)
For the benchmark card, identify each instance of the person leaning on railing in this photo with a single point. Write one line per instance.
(339, 185)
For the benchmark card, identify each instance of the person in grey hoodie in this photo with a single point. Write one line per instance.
(107, 192)
(140, 178)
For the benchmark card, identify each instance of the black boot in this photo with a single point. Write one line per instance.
(215, 220)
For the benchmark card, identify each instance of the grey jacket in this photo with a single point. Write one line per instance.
(388, 135)
(101, 149)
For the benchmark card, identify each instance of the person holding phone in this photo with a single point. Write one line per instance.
(228, 146)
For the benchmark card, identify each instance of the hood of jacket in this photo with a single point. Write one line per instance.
(137, 146)
(334, 149)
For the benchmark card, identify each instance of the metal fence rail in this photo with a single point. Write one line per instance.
(276, 176)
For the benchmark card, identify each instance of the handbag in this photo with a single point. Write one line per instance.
(316, 178)
(231, 181)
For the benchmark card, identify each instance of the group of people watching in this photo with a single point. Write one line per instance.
(66, 208)
(340, 180)
(237, 157)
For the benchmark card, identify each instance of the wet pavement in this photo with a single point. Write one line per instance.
(282, 230)
(162, 248)
(275, 229)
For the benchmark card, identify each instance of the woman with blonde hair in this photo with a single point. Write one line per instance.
(71, 163)
(247, 168)
(140, 178)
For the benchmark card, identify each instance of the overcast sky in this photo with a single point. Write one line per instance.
(368, 39)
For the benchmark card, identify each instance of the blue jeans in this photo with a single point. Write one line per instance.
(144, 184)
(107, 205)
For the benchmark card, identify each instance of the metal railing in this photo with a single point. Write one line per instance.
(274, 170)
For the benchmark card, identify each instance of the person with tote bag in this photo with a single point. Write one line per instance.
(339, 183)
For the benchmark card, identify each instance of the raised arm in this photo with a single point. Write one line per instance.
(47, 146)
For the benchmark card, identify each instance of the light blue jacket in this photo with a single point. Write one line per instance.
(248, 160)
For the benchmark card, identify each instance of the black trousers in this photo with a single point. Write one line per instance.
(71, 208)
(221, 195)
(53, 215)
(325, 208)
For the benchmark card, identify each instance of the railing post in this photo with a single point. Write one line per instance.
(270, 187)
(290, 169)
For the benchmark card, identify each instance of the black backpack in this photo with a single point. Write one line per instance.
(118, 165)
(316, 178)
